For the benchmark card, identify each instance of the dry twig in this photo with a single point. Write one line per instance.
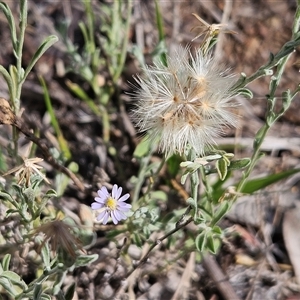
(8, 117)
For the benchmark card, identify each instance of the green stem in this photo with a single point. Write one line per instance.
(140, 180)
(122, 56)
(142, 173)
(57, 269)
(270, 119)
(255, 156)
(161, 33)
(296, 24)
(208, 188)
(90, 25)
(194, 182)
(105, 124)
(19, 50)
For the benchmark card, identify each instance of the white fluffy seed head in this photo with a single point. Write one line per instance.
(187, 103)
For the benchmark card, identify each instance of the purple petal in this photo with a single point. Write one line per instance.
(120, 215)
(103, 193)
(125, 210)
(124, 205)
(100, 200)
(114, 218)
(117, 215)
(115, 191)
(101, 215)
(124, 197)
(105, 219)
(119, 192)
(96, 205)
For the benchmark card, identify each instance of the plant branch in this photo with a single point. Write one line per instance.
(158, 242)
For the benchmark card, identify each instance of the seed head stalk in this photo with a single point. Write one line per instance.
(194, 182)
(271, 118)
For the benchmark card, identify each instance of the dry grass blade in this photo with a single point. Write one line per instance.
(184, 285)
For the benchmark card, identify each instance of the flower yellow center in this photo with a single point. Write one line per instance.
(111, 203)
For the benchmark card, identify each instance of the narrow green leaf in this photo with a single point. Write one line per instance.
(23, 13)
(45, 252)
(11, 22)
(37, 292)
(213, 243)
(84, 260)
(258, 136)
(286, 100)
(257, 184)
(9, 82)
(160, 27)
(239, 164)
(9, 288)
(159, 51)
(137, 239)
(173, 164)
(184, 177)
(158, 195)
(205, 216)
(222, 168)
(11, 276)
(217, 230)
(50, 194)
(244, 92)
(226, 160)
(212, 42)
(200, 241)
(61, 140)
(138, 54)
(124, 42)
(47, 43)
(6, 196)
(219, 214)
(85, 34)
(70, 291)
(14, 74)
(6, 262)
(3, 164)
(210, 243)
(159, 21)
(80, 93)
(240, 82)
(143, 148)
(14, 278)
(11, 211)
(61, 183)
(254, 185)
(271, 59)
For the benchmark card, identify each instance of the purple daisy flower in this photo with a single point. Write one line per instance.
(111, 204)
